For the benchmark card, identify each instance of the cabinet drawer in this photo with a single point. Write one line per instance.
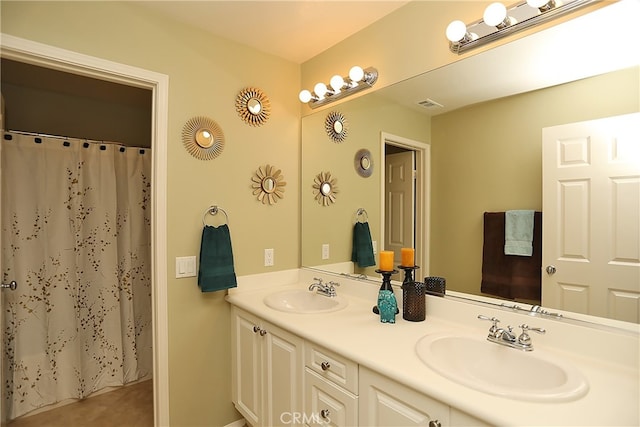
(332, 366)
(327, 404)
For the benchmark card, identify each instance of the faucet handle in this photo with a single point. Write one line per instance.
(494, 327)
(332, 283)
(318, 279)
(524, 337)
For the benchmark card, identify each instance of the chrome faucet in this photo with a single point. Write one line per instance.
(328, 289)
(507, 337)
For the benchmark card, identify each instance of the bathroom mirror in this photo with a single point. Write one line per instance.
(268, 184)
(500, 176)
(253, 106)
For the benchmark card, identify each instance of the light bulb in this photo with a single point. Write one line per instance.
(495, 14)
(356, 73)
(336, 82)
(320, 89)
(456, 31)
(304, 96)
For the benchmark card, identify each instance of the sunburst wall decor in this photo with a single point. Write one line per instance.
(203, 138)
(325, 188)
(336, 126)
(268, 184)
(253, 106)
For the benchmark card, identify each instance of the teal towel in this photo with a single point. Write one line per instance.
(362, 251)
(518, 232)
(216, 260)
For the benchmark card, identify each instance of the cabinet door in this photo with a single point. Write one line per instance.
(326, 404)
(283, 371)
(246, 365)
(384, 402)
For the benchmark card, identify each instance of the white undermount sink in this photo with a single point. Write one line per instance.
(304, 301)
(500, 370)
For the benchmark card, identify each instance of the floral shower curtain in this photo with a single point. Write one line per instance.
(76, 238)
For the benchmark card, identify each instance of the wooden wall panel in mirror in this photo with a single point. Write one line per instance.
(486, 156)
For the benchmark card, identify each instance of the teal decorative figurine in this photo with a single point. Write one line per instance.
(388, 306)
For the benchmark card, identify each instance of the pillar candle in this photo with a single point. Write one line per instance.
(408, 257)
(386, 260)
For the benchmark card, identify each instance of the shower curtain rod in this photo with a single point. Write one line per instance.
(46, 135)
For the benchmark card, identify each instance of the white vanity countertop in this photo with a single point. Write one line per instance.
(611, 367)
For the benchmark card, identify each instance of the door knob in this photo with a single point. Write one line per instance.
(550, 270)
(11, 285)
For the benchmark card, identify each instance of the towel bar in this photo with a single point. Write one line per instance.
(213, 210)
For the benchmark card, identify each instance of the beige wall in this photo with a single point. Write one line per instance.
(205, 74)
(488, 157)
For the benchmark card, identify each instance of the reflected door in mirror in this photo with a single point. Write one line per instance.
(399, 202)
(591, 228)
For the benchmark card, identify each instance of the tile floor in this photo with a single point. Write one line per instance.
(130, 406)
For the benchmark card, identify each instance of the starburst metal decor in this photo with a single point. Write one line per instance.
(203, 138)
(253, 106)
(268, 184)
(336, 126)
(325, 188)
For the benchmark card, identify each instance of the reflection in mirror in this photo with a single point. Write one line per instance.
(336, 126)
(325, 188)
(363, 163)
(268, 184)
(475, 168)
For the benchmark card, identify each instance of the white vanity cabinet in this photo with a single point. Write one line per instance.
(267, 370)
(384, 402)
(331, 387)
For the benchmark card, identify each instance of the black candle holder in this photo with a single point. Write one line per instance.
(413, 301)
(386, 284)
(408, 273)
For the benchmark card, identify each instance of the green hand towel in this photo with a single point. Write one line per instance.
(518, 232)
(216, 270)
(362, 251)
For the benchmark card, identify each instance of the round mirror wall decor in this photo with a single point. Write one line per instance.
(363, 163)
(203, 138)
(253, 106)
(268, 184)
(325, 188)
(336, 126)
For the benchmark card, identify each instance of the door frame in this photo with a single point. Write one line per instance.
(422, 193)
(35, 53)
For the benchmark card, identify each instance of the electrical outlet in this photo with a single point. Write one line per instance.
(268, 257)
(325, 251)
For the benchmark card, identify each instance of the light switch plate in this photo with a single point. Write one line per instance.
(186, 266)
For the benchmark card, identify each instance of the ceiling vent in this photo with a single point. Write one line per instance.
(429, 103)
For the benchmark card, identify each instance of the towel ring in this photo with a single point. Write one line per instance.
(362, 212)
(213, 210)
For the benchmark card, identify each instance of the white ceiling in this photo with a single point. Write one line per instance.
(296, 30)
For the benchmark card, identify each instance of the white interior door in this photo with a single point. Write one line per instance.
(591, 221)
(399, 202)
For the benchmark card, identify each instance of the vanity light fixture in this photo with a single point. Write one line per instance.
(339, 87)
(499, 21)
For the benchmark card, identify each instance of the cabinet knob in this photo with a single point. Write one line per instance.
(434, 423)
(325, 413)
(256, 329)
(325, 365)
(263, 332)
